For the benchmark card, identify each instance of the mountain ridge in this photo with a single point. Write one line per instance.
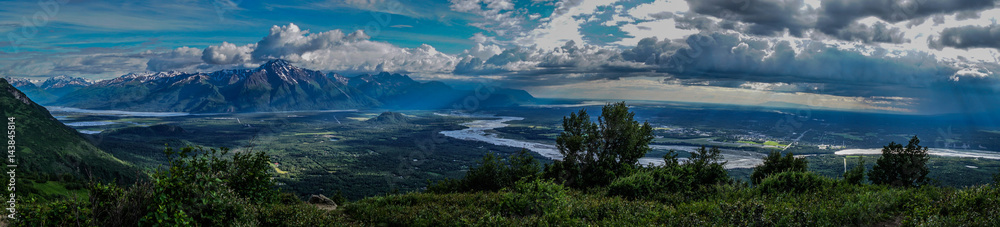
(276, 85)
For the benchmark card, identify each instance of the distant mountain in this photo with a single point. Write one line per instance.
(401, 91)
(274, 86)
(32, 90)
(62, 85)
(47, 147)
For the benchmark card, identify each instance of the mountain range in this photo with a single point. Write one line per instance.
(49, 90)
(276, 85)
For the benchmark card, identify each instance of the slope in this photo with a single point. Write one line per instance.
(46, 148)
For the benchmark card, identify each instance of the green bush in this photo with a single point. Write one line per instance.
(116, 206)
(201, 187)
(298, 214)
(794, 182)
(856, 175)
(706, 167)
(535, 197)
(652, 183)
(775, 163)
(696, 177)
(71, 212)
(640, 184)
(492, 174)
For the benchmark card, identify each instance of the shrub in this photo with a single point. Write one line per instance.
(705, 167)
(793, 181)
(200, 187)
(299, 214)
(857, 174)
(71, 212)
(640, 184)
(116, 206)
(775, 163)
(699, 174)
(492, 174)
(535, 197)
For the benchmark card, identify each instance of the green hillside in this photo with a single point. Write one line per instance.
(47, 149)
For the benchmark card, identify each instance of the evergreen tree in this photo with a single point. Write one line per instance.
(706, 168)
(901, 166)
(595, 153)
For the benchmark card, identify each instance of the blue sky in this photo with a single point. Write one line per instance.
(930, 56)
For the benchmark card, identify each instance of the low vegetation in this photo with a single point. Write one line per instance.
(774, 163)
(200, 187)
(599, 183)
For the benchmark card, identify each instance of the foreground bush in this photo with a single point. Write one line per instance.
(693, 178)
(838, 204)
(492, 174)
(200, 188)
(774, 163)
(536, 197)
(794, 182)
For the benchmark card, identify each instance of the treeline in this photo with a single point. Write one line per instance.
(601, 162)
(606, 154)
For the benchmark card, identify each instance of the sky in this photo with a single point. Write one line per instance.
(898, 56)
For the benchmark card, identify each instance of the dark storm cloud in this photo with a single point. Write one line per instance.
(734, 60)
(836, 18)
(728, 56)
(968, 37)
(648, 51)
(704, 23)
(767, 17)
(877, 33)
(835, 15)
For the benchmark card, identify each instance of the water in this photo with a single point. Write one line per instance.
(931, 151)
(89, 123)
(115, 112)
(476, 131)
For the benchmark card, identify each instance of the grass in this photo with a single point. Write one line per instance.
(278, 170)
(837, 205)
(58, 189)
(773, 143)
